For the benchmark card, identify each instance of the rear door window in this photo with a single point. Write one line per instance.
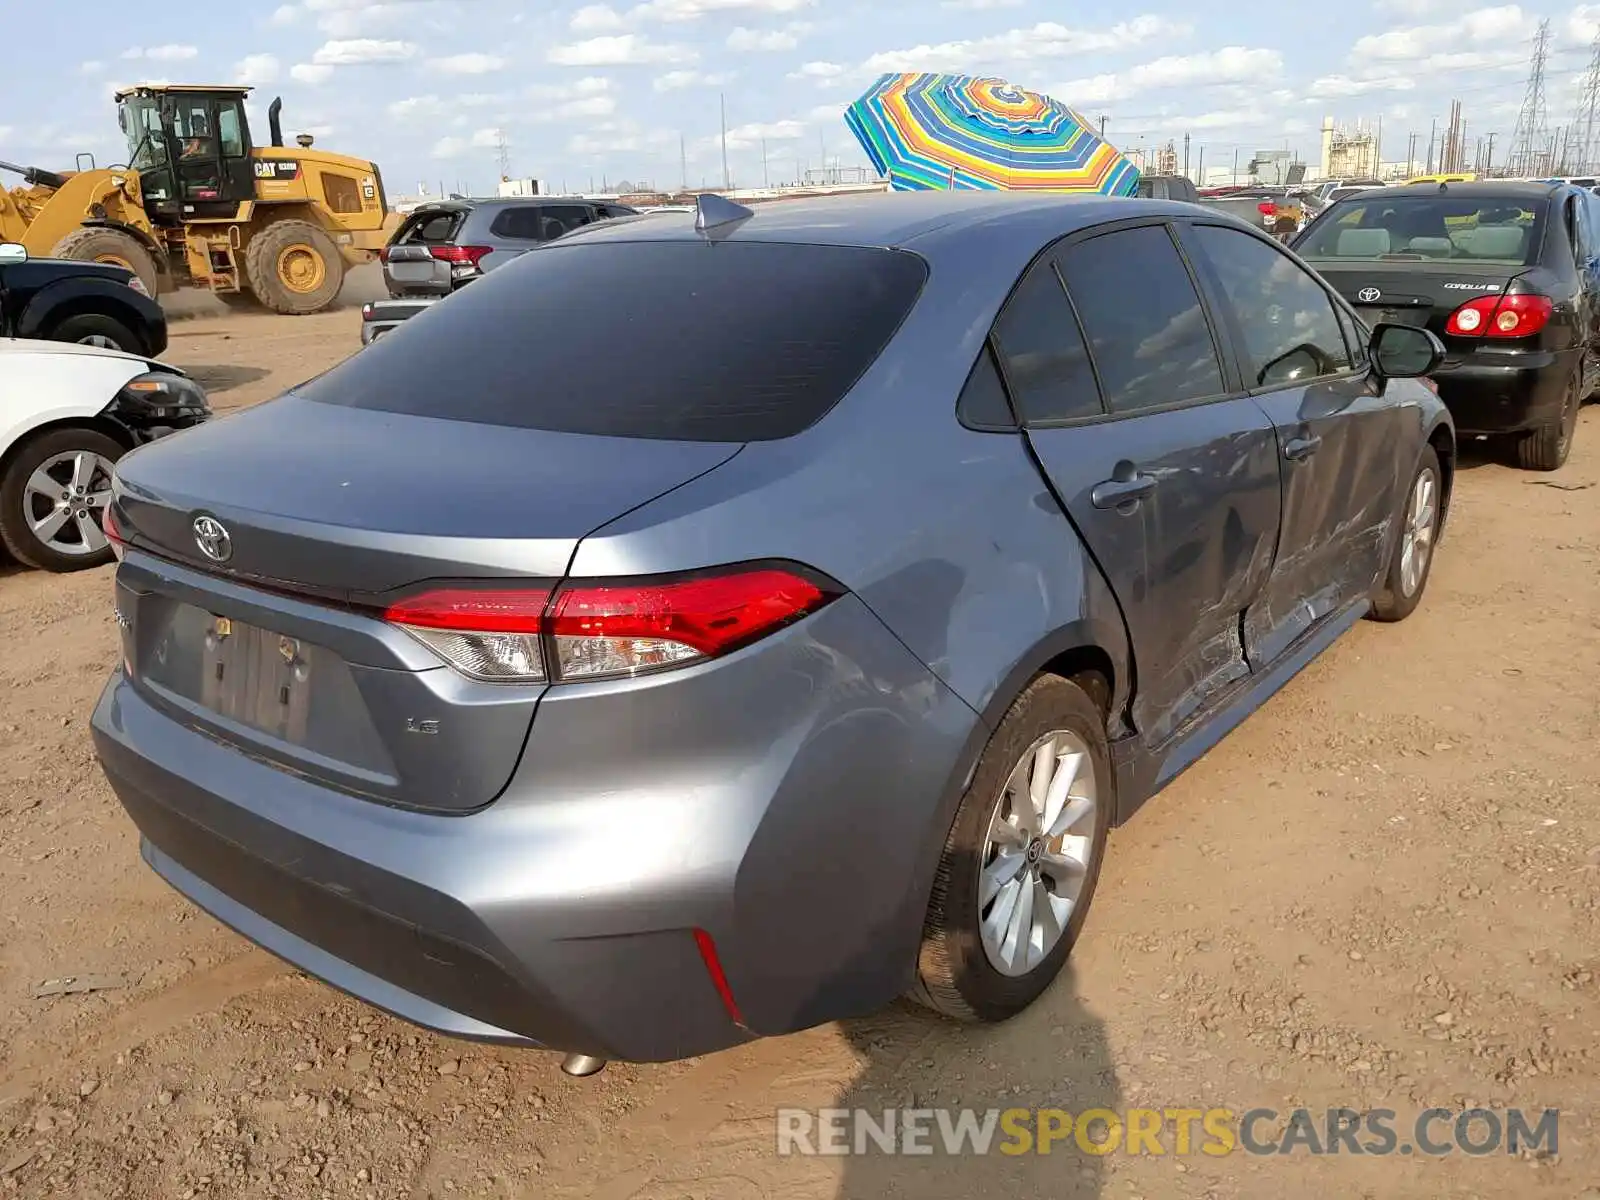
(519, 223)
(1291, 332)
(564, 218)
(735, 341)
(1147, 331)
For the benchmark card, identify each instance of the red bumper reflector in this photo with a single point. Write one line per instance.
(708, 955)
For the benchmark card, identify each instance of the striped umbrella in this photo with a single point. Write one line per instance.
(935, 132)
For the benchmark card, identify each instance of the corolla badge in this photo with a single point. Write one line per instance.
(1368, 295)
(213, 539)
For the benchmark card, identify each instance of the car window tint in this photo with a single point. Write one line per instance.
(1356, 336)
(983, 403)
(1291, 332)
(1042, 348)
(1426, 227)
(738, 341)
(228, 129)
(564, 218)
(521, 222)
(1146, 329)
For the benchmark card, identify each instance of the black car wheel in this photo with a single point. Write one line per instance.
(93, 329)
(1547, 447)
(1022, 857)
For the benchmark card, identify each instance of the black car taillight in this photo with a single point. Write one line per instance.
(1501, 316)
(460, 256)
(604, 629)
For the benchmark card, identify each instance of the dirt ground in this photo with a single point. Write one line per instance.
(1382, 891)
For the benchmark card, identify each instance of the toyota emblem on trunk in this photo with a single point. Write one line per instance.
(1368, 295)
(213, 539)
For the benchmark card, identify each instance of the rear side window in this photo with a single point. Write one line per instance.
(564, 218)
(429, 229)
(522, 222)
(1045, 359)
(723, 342)
(1146, 329)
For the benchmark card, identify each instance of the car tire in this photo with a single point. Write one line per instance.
(18, 503)
(1547, 447)
(93, 329)
(959, 967)
(1416, 531)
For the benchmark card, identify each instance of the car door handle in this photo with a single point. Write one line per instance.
(1296, 449)
(1114, 493)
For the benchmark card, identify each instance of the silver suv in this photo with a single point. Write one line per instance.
(445, 244)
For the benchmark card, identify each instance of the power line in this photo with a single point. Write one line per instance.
(1589, 110)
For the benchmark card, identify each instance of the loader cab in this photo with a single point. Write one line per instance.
(191, 147)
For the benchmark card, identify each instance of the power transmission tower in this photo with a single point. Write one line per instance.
(1587, 121)
(503, 151)
(1528, 141)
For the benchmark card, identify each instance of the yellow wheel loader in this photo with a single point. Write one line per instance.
(198, 205)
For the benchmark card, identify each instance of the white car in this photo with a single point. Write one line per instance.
(68, 412)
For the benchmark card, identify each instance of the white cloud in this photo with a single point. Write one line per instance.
(674, 81)
(5, 133)
(362, 50)
(311, 73)
(285, 14)
(579, 108)
(822, 72)
(91, 67)
(827, 114)
(171, 52)
(1584, 23)
(256, 70)
(981, 5)
(622, 50)
(1338, 87)
(1044, 40)
(596, 18)
(1229, 65)
(1501, 25)
(767, 40)
(416, 106)
(608, 139)
(589, 85)
(693, 10)
(450, 147)
(746, 137)
(468, 64)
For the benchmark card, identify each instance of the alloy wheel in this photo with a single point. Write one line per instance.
(1416, 538)
(64, 502)
(1038, 852)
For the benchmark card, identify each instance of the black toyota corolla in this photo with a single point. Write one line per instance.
(1505, 273)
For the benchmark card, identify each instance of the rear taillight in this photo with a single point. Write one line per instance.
(383, 255)
(1267, 208)
(459, 256)
(1501, 316)
(113, 532)
(599, 629)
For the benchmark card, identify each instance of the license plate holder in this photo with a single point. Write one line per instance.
(257, 678)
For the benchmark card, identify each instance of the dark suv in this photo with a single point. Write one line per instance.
(443, 245)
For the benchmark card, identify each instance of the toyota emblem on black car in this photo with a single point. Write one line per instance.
(213, 539)
(1368, 295)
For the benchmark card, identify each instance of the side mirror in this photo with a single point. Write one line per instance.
(1405, 352)
(11, 253)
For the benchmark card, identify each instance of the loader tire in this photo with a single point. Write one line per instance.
(294, 268)
(112, 246)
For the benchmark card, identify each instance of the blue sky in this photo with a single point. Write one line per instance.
(606, 91)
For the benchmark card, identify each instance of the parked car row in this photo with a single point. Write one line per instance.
(857, 563)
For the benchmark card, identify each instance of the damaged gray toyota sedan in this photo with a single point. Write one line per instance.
(710, 625)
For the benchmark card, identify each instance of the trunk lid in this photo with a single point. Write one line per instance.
(329, 511)
(1424, 294)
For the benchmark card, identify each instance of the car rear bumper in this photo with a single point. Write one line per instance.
(564, 915)
(1505, 398)
(381, 316)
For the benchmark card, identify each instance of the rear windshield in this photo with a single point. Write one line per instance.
(1411, 228)
(429, 228)
(730, 341)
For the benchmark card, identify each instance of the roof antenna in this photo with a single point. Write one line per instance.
(714, 212)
